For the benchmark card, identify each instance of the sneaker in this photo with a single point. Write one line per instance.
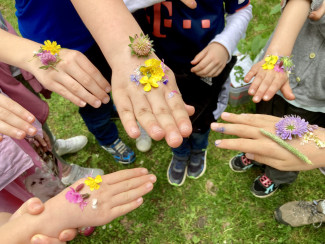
(71, 145)
(177, 170)
(78, 172)
(143, 142)
(121, 152)
(240, 163)
(263, 187)
(299, 213)
(197, 165)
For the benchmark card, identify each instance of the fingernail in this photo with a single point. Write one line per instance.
(36, 239)
(217, 142)
(82, 104)
(225, 114)
(153, 178)
(98, 103)
(156, 129)
(144, 171)
(19, 134)
(149, 185)
(108, 89)
(105, 100)
(31, 131)
(251, 91)
(256, 99)
(139, 199)
(185, 127)
(134, 130)
(64, 236)
(173, 136)
(30, 118)
(266, 97)
(250, 156)
(219, 129)
(35, 206)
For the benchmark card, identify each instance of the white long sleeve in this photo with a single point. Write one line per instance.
(235, 29)
(134, 5)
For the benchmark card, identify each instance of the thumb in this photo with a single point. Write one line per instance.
(190, 3)
(190, 109)
(33, 206)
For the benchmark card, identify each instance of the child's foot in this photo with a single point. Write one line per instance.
(263, 187)
(121, 152)
(71, 145)
(197, 165)
(143, 142)
(77, 172)
(240, 163)
(176, 172)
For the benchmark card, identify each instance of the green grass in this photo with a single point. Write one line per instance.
(217, 208)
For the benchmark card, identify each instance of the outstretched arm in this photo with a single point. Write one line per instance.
(261, 148)
(268, 82)
(111, 24)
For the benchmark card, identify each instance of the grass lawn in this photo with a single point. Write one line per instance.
(217, 208)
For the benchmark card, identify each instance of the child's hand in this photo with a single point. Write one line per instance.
(76, 79)
(44, 142)
(15, 121)
(267, 82)
(210, 61)
(318, 14)
(190, 3)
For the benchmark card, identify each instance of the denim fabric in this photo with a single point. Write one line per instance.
(196, 141)
(98, 121)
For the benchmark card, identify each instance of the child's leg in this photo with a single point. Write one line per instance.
(197, 163)
(177, 169)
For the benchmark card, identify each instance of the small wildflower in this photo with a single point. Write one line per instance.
(93, 183)
(52, 47)
(141, 45)
(291, 126)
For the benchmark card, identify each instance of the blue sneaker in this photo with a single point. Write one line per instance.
(121, 152)
(198, 164)
(176, 172)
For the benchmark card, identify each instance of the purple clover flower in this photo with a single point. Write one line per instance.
(291, 126)
(135, 78)
(47, 58)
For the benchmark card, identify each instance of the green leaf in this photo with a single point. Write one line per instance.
(260, 27)
(195, 239)
(276, 9)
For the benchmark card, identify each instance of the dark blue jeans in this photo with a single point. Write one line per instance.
(98, 120)
(196, 141)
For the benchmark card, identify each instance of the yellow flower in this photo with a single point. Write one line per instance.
(152, 73)
(270, 61)
(52, 47)
(93, 183)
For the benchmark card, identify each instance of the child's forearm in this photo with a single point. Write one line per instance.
(290, 23)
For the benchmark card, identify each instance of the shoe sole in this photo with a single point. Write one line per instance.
(184, 178)
(123, 162)
(203, 171)
(265, 196)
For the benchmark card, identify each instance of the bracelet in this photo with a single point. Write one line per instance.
(150, 74)
(141, 45)
(48, 54)
(279, 63)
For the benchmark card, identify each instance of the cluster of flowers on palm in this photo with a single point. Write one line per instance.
(278, 63)
(48, 54)
(150, 74)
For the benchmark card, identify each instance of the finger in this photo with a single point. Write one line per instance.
(196, 61)
(190, 109)
(126, 114)
(41, 140)
(123, 175)
(42, 239)
(32, 206)
(264, 85)
(131, 195)
(68, 235)
(253, 71)
(16, 109)
(47, 141)
(133, 183)
(279, 80)
(216, 70)
(243, 131)
(87, 81)
(11, 131)
(318, 14)
(126, 208)
(190, 3)
(64, 92)
(145, 115)
(166, 116)
(287, 91)
(256, 83)
(256, 120)
(206, 69)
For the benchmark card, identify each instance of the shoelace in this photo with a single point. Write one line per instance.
(266, 181)
(312, 209)
(245, 160)
(120, 147)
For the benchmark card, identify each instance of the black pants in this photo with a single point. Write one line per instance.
(277, 106)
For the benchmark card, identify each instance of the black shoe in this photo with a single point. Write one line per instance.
(263, 187)
(197, 165)
(177, 169)
(240, 163)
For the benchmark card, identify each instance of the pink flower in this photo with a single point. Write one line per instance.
(278, 68)
(46, 58)
(73, 196)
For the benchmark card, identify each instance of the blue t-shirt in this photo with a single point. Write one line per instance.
(54, 20)
(180, 33)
